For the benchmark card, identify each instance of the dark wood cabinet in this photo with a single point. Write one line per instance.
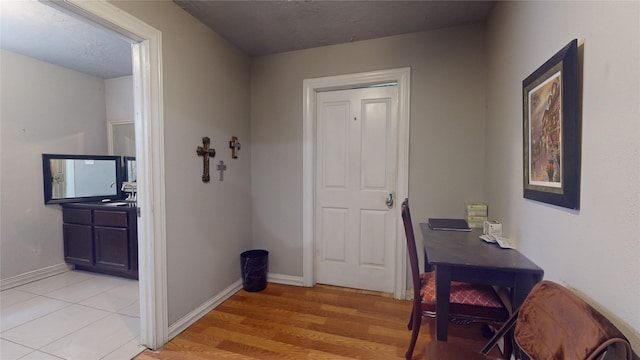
(101, 238)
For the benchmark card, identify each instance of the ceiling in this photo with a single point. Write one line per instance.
(267, 27)
(39, 31)
(258, 28)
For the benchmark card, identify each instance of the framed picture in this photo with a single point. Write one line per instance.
(552, 130)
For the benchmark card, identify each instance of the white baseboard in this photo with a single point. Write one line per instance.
(34, 275)
(285, 279)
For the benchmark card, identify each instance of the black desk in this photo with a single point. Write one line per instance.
(462, 256)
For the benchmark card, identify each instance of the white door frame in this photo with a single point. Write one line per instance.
(149, 123)
(310, 86)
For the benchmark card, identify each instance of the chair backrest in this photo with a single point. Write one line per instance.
(553, 323)
(411, 250)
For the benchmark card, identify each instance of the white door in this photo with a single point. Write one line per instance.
(355, 229)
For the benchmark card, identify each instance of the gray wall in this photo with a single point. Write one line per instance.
(119, 98)
(119, 102)
(206, 93)
(447, 127)
(594, 250)
(36, 118)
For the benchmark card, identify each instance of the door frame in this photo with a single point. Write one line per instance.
(146, 50)
(402, 76)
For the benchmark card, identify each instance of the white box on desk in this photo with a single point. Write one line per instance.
(492, 227)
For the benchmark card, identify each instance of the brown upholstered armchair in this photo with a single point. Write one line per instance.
(552, 323)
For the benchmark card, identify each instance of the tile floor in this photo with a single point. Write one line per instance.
(73, 315)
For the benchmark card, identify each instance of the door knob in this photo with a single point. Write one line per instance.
(389, 200)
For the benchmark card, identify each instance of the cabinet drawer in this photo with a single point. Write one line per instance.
(110, 218)
(76, 216)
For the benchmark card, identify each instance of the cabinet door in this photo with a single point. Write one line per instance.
(112, 248)
(78, 244)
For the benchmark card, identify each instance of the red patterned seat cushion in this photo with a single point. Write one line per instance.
(461, 292)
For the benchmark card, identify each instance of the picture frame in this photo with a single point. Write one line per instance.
(551, 130)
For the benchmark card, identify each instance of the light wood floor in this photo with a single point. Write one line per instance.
(289, 322)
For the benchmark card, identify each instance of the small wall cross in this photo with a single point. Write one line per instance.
(234, 144)
(221, 168)
(205, 152)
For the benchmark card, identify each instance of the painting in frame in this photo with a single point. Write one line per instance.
(552, 130)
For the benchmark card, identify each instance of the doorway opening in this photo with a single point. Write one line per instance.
(146, 45)
(310, 88)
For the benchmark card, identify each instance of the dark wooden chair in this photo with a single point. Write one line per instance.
(552, 323)
(468, 302)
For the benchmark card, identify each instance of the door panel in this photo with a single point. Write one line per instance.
(356, 171)
(335, 157)
(372, 239)
(333, 233)
(375, 131)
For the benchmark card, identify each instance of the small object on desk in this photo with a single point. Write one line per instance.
(475, 222)
(488, 238)
(476, 209)
(475, 214)
(503, 242)
(492, 227)
(448, 224)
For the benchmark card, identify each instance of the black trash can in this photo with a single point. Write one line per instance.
(254, 266)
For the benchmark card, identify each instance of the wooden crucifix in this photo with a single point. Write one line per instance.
(205, 152)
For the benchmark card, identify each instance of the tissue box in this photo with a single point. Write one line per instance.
(492, 227)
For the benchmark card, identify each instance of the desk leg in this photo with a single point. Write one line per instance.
(443, 291)
(523, 285)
